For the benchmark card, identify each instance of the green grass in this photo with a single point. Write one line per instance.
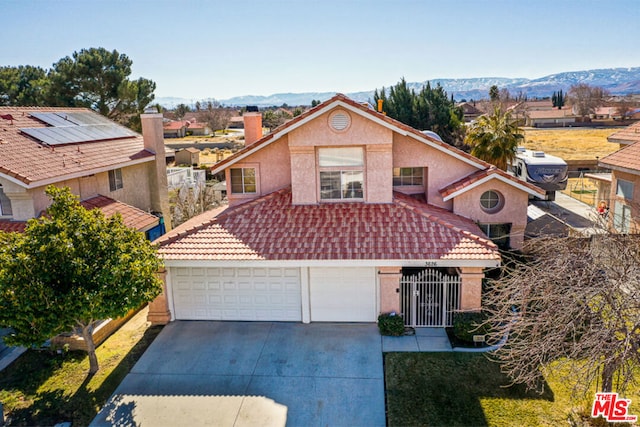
(44, 388)
(466, 389)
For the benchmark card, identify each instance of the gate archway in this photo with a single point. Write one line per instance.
(429, 298)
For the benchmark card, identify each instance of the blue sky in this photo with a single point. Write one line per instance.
(220, 49)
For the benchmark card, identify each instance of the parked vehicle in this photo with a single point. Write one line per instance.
(547, 172)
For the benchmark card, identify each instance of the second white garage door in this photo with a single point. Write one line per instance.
(343, 294)
(236, 293)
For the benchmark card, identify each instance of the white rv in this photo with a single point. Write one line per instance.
(547, 172)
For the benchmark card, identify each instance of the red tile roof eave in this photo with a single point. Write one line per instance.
(626, 159)
(479, 175)
(340, 97)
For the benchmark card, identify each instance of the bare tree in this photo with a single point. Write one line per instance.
(185, 203)
(216, 117)
(574, 302)
(624, 106)
(586, 99)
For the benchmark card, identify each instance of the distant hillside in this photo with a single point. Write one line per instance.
(619, 81)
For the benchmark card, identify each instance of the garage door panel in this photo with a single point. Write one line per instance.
(237, 294)
(343, 294)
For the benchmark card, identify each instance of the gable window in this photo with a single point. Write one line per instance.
(624, 189)
(491, 201)
(5, 204)
(341, 173)
(243, 180)
(115, 179)
(407, 176)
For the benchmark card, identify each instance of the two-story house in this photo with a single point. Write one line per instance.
(340, 214)
(107, 165)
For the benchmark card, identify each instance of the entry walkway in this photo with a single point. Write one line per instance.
(424, 340)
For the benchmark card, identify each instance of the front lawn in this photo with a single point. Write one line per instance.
(466, 389)
(43, 388)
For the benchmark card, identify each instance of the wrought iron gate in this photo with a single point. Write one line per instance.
(429, 298)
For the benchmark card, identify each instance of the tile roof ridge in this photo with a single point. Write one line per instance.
(413, 205)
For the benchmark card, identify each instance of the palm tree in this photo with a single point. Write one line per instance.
(494, 138)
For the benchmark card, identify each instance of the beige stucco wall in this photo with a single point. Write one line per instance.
(30, 203)
(514, 209)
(375, 140)
(634, 203)
(442, 169)
(389, 278)
(471, 288)
(273, 171)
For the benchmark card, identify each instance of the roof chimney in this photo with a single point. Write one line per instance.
(153, 137)
(252, 127)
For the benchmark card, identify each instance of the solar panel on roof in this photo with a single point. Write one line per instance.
(75, 127)
(75, 134)
(52, 119)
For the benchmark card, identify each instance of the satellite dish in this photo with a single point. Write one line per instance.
(432, 134)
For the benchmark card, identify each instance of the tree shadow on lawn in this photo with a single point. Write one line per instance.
(447, 388)
(54, 406)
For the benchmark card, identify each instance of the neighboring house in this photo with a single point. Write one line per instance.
(175, 129)
(626, 136)
(624, 188)
(550, 118)
(198, 129)
(105, 164)
(188, 156)
(108, 166)
(338, 215)
(469, 111)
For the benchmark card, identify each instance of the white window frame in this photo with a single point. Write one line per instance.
(115, 180)
(499, 201)
(244, 177)
(341, 160)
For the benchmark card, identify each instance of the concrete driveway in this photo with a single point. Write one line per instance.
(254, 373)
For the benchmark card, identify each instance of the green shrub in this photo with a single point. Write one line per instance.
(391, 324)
(466, 325)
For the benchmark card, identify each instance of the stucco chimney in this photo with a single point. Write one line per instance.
(153, 136)
(252, 127)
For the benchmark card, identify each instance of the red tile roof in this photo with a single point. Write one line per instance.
(627, 158)
(29, 161)
(271, 228)
(176, 125)
(365, 109)
(467, 181)
(628, 135)
(12, 226)
(131, 216)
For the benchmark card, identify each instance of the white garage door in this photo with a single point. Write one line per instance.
(236, 293)
(343, 294)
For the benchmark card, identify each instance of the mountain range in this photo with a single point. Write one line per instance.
(618, 81)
